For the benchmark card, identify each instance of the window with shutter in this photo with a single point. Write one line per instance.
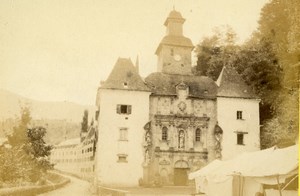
(124, 109)
(118, 109)
(129, 109)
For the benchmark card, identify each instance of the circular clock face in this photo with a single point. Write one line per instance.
(177, 57)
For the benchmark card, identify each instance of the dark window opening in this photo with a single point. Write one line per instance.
(122, 158)
(240, 139)
(164, 135)
(198, 135)
(239, 115)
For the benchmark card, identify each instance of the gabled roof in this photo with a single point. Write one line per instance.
(165, 84)
(231, 84)
(124, 76)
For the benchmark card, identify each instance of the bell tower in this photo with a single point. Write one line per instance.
(174, 50)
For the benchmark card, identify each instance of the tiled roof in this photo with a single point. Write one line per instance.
(175, 41)
(124, 76)
(231, 84)
(165, 84)
(69, 142)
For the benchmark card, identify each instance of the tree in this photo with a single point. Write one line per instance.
(263, 67)
(215, 52)
(27, 159)
(280, 24)
(85, 123)
(39, 151)
(19, 134)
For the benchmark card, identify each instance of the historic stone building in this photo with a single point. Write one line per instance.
(172, 122)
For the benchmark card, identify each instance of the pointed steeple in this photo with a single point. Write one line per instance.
(137, 64)
(218, 82)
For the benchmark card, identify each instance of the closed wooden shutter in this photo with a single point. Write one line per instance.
(129, 109)
(118, 109)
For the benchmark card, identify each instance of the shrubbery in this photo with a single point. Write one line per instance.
(24, 158)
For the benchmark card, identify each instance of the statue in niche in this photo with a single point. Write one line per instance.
(218, 133)
(147, 156)
(148, 138)
(181, 139)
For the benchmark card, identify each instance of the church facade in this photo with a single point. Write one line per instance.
(172, 122)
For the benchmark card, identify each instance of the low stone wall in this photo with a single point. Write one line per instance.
(34, 190)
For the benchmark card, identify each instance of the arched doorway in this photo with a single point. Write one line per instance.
(181, 173)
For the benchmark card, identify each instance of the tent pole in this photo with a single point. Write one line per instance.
(277, 178)
(290, 182)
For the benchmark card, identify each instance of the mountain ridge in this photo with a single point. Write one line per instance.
(11, 103)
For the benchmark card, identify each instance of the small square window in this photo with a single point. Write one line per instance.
(122, 158)
(240, 138)
(239, 115)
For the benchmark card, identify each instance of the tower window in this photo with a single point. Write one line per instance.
(123, 109)
(164, 134)
(172, 52)
(240, 138)
(198, 135)
(125, 84)
(239, 115)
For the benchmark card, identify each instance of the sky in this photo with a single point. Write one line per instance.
(60, 50)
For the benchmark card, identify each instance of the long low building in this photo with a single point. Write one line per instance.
(76, 156)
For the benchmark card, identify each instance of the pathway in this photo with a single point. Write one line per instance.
(76, 187)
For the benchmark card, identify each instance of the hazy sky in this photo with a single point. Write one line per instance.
(58, 50)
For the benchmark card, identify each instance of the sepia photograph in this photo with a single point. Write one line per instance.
(148, 97)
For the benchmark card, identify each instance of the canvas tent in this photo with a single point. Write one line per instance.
(245, 174)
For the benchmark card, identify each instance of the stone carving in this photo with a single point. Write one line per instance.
(164, 162)
(181, 140)
(147, 156)
(148, 138)
(218, 133)
(182, 106)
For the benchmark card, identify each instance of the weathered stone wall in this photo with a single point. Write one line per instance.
(178, 113)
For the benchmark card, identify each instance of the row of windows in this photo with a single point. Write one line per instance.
(91, 158)
(90, 149)
(126, 109)
(164, 134)
(64, 153)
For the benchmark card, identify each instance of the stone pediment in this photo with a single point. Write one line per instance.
(164, 162)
